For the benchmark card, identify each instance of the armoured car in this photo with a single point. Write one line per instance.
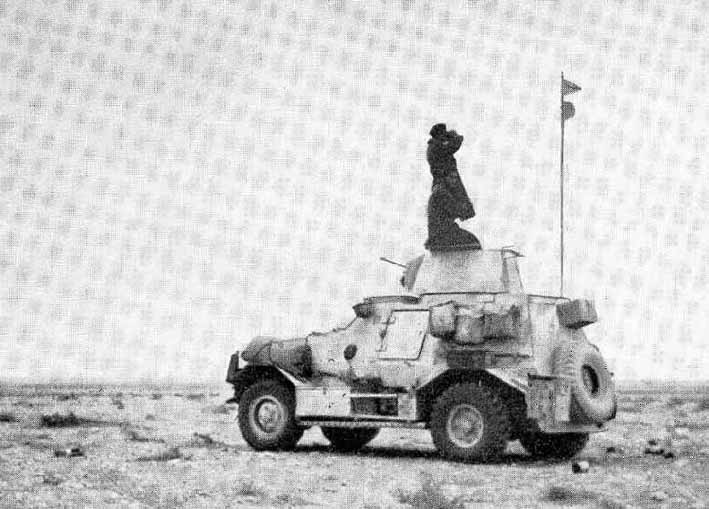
(463, 351)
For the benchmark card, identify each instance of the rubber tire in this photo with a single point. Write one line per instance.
(569, 359)
(349, 439)
(553, 445)
(496, 422)
(284, 438)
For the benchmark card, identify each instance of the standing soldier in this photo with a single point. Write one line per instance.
(449, 200)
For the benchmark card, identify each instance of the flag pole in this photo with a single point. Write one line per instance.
(561, 192)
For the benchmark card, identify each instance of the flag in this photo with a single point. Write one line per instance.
(567, 110)
(568, 87)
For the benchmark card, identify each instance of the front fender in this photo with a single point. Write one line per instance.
(244, 378)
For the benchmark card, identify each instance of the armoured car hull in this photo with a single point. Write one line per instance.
(463, 352)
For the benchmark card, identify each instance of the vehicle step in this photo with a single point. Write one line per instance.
(368, 395)
(363, 424)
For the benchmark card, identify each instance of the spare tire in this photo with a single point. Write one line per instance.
(592, 386)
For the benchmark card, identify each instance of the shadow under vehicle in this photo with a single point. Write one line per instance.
(463, 352)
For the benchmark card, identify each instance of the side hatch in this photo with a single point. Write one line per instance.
(404, 335)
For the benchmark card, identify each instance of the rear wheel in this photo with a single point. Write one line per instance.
(470, 423)
(267, 416)
(346, 439)
(553, 445)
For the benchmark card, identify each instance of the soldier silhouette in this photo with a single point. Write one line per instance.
(449, 200)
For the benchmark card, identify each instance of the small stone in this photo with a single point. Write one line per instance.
(654, 449)
(659, 496)
(668, 455)
(580, 467)
(652, 441)
(70, 452)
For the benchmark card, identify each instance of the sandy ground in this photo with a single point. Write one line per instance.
(212, 466)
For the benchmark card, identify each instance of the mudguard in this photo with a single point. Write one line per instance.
(249, 375)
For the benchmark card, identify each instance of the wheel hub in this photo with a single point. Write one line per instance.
(465, 425)
(268, 414)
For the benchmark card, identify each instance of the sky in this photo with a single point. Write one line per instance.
(178, 177)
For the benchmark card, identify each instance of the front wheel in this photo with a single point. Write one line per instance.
(469, 422)
(267, 416)
(553, 445)
(345, 439)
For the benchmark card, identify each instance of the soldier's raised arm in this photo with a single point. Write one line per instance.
(452, 142)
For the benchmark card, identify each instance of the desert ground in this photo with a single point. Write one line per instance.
(179, 446)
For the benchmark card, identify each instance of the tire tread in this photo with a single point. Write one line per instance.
(496, 428)
(291, 434)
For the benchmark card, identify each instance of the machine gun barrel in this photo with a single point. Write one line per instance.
(392, 262)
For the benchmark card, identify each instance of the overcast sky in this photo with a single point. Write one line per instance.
(178, 177)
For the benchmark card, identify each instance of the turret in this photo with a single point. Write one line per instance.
(464, 271)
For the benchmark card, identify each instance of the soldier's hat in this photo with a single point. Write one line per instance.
(438, 130)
